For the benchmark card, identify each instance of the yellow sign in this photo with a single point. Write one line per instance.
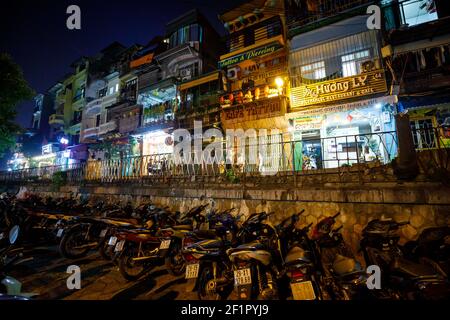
(339, 89)
(253, 111)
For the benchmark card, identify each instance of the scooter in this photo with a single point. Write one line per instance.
(403, 278)
(11, 288)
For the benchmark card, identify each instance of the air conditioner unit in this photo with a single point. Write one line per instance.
(185, 74)
(233, 73)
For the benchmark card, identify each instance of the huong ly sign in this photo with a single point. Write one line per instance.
(339, 89)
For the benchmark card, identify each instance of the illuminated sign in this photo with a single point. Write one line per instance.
(339, 89)
(254, 111)
(258, 52)
(48, 148)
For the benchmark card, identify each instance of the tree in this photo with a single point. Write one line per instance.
(13, 90)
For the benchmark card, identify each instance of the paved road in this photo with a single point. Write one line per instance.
(46, 276)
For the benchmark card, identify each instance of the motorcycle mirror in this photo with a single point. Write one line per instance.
(336, 215)
(14, 234)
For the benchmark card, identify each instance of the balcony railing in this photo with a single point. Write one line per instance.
(298, 17)
(56, 119)
(107, 127)
(90, 132)
(94, 106)
(265, 30)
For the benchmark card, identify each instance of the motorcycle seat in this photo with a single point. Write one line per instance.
(182, 227)
(413, 269)
(252, 246)
(296, 255)
(210, 244)
(121, 223)
(206, 234)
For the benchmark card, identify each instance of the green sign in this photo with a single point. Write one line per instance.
(258, 52)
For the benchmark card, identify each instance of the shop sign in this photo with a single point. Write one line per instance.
(339, 89)
(253, 111)
(308, 123)
(344, 107)
(255, 53)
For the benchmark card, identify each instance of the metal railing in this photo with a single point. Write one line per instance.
(352, 153)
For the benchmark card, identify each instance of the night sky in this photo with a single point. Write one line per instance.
(34, 33)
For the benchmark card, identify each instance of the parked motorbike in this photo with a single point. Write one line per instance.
(208, 268)
(343, 275)
(11, 288)
(432, 243)
(256, 262)
(301, 263)
(143, 249)
(401, 278)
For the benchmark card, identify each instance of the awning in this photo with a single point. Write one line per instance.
(422, 44)
(199, 81)
(142, 60)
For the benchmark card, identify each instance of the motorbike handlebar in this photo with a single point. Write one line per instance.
(336, 215)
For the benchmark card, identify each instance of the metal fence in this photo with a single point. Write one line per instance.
(274, 158)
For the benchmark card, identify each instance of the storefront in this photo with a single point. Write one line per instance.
(157, 142)
(337, 135)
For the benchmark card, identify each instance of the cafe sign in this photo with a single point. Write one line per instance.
(258, 52)
(268, 108)
(339, 89)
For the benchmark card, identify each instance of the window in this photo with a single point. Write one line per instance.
(97, 120)
(314, 71)
(111, 90)
(193, 32)
(102, 92)
(415, 12)
(351, 63)
(117, 87)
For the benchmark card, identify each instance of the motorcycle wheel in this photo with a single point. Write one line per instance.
(129, 269)
(174, 261)
(106, 251)
(207, 287)
(70, 240)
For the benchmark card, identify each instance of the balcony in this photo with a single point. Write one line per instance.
(107, 127)
(56, 120)
(255, 34)
(301, 19)
(90, 132)
(129, 124)
(93, 107)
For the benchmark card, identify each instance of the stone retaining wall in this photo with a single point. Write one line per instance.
(423, 205)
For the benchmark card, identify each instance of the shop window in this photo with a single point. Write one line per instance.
(415, 12)
(351, 63)
(314, 71)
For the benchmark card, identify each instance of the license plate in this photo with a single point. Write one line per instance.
(103, 233)
(119, 246)
(192, 270)
(112, 241)
(243, 276)
(165, 244)
(2, 235)
(303, 290)
(60, 232)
